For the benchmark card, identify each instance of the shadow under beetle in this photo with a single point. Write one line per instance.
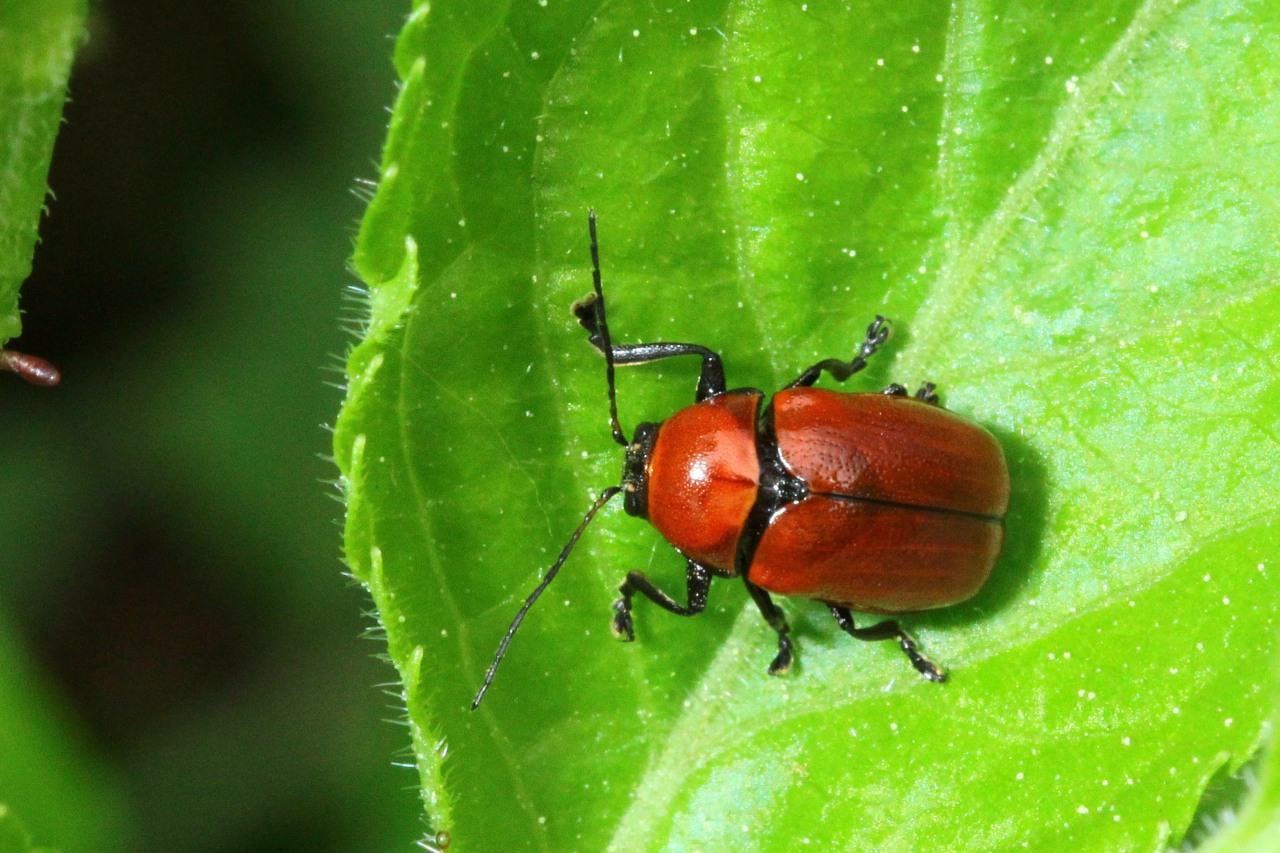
(878, 502)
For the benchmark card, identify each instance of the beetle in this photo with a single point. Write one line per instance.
(879, 502)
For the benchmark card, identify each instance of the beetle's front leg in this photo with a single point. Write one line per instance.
(697, 579)
(711, 381)
(591, 315)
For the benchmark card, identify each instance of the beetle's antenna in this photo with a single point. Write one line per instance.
(602, 328)
(604, 498)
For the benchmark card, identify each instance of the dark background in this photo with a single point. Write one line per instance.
(171, 539)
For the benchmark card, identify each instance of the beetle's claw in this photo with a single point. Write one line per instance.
(923, 665)
(623, 629)
(781, 664)
(932, 671)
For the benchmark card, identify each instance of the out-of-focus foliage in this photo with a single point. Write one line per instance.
(37, 42)
(181, 661)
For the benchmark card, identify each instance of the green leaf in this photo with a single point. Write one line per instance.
(1257, 827)
(49, 778)
(1068, 215)
(13, 836)
(46, 777)
(37, 42)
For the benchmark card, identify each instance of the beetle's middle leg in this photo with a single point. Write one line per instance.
(888, 630)
(697, 578)
(877, 334)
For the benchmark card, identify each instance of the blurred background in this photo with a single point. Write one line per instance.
(171, 543)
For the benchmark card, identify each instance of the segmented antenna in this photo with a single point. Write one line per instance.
(602, 326)
(533, 596)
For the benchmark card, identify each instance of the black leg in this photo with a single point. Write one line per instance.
(926, 393)
(698, 580)
(591, 314)
(778, 622)
(877, 334)
(710, 381)
(888, 630)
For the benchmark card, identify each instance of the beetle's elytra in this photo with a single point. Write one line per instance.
(878, 502)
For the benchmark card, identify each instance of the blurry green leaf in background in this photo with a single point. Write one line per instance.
(14, 837)
(37, 41)
(46, 776)
(1068, 213)
(179, 645)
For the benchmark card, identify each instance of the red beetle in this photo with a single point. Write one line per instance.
(878, 502)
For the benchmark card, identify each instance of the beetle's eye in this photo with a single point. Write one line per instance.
(635, 447)
(630, 488)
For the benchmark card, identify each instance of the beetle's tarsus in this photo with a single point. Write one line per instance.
(923, 665)
(926, 393)
(889, 630)
(840, 370)
(782, 663)
(932, 673)
(622, 626)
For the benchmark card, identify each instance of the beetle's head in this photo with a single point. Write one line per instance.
(635, 471)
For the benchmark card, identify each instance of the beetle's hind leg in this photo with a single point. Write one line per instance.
(777, 621)
(888, 630)
(877, 334)
(697, 579)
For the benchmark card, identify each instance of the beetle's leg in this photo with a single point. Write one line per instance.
(877, 334)
(591, 314)
(889, 630)
(697, 578)
(710, 381)
(778, 622)
(925, 393)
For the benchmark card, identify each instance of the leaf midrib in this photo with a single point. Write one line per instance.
(960, 274)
